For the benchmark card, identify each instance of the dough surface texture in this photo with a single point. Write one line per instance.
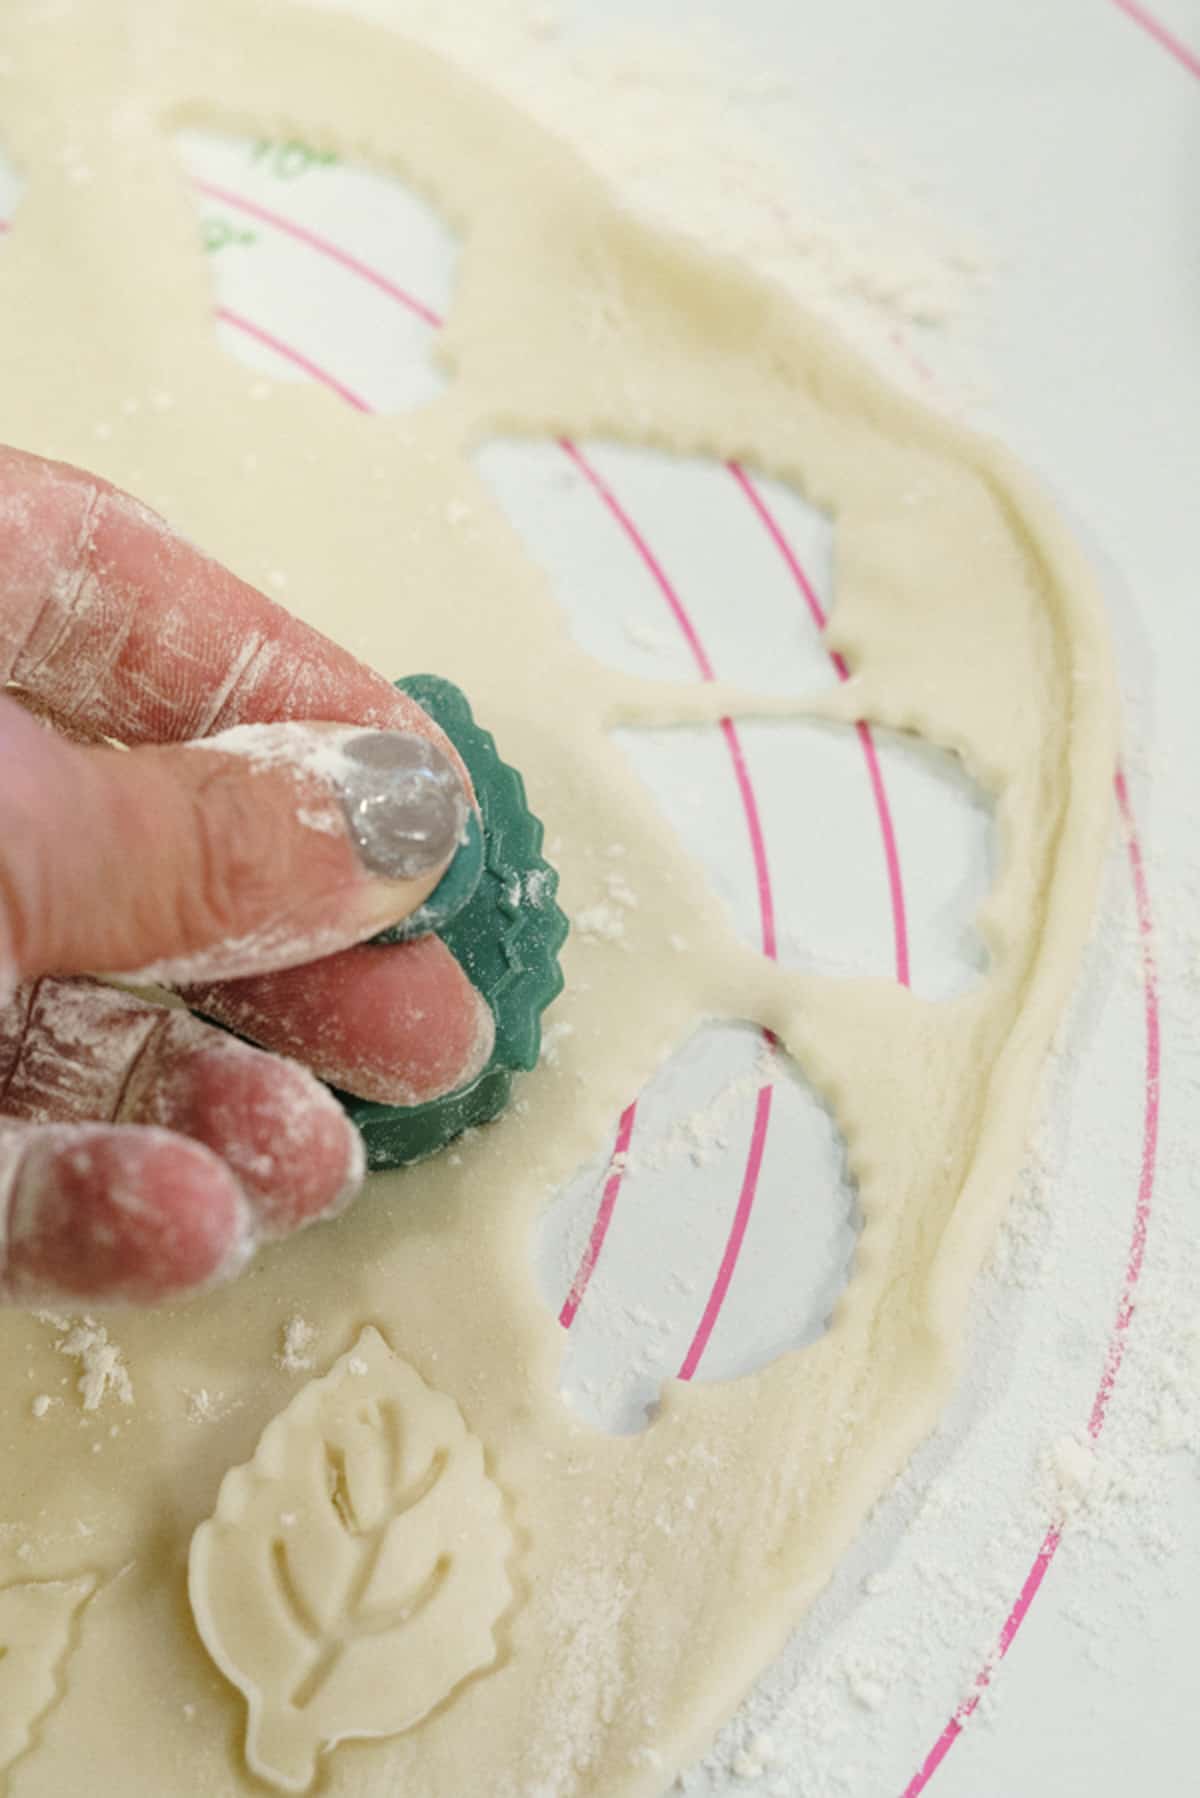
(606, 1601)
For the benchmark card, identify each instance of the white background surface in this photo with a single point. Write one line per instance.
(1067, 141)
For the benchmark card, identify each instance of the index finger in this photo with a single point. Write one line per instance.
(117, 627)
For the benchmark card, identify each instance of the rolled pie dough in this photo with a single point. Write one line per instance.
(477, 1594)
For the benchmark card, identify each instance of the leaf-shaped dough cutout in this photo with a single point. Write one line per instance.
(353, 1572)
(36, 1628)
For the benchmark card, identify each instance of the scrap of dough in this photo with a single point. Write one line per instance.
(658, 1573)
(36, 1623)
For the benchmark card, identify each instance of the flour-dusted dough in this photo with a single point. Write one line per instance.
(37, 1621)
(655, 1575)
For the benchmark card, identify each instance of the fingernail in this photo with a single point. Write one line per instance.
(403, 802)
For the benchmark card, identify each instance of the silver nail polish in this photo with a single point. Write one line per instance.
(404, 803)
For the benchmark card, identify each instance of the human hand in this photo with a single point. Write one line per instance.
(143, 1153)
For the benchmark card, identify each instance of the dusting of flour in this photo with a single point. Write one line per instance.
(102, 1371)
(694, 136)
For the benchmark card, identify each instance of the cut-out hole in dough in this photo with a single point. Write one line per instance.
(12, 186)
(875, 852)
(336, 275)
(725, 1242)
(669, 566)
(871, 856)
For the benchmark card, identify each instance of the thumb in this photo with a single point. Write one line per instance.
(261, 848)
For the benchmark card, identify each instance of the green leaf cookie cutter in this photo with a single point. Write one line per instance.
(496, 912)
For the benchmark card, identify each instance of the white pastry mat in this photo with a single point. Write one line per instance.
(723, 1230)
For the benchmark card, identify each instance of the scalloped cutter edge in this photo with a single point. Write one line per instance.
(496, 911)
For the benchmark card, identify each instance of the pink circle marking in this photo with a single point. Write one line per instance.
(324, 247)
(294, 356)
(1184, 55)
(608, 1199)
(1115, 1351)
(887, 829)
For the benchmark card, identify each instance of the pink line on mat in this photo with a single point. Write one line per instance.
(983, 1678)
(323, 245)
(591, 1253)
(758, 847)
(1141, 1216)
(776, 534)
(766, 903)
(1115, 1352)
(296, 357)
(891, 852)
(651, 561)
(737, 1233)
(1162, 34)
(700, 656)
